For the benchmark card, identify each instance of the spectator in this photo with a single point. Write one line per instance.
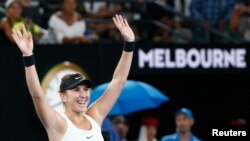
(148, 129)
(213, 13)
(184, 121)
(120, 124)
(68, 26)
(240, 20)
(14, 19)
(108, 128)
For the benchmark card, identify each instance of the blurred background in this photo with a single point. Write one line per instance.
(193, 53)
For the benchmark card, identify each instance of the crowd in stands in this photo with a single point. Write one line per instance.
(184, 121)
(85, 21)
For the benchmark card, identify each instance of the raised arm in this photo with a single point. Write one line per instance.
(101, 107)
(46, 113)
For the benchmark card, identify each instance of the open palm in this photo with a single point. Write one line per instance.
(124, 28)
(23, 40)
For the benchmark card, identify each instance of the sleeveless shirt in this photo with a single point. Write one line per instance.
(76, 134)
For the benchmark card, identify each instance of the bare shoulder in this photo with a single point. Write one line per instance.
(58, 14)
(60, 126)
(59, 129)
(4, 21)
(94, 115)
(61, 121)
(5, 25)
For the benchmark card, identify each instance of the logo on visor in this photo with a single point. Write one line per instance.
(76, 78)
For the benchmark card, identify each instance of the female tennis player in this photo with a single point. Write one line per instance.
(78, 122)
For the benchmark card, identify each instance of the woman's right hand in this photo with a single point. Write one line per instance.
(23, 40)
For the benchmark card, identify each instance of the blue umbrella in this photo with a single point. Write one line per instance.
(135, 96)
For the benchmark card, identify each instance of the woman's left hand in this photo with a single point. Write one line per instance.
(124, 28)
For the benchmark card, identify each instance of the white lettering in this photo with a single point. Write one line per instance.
(229, 58)
(169, 63)
(180, 58)
(192, 58)
(244, 133)
(215, 132)
(206, 60)
(159, 58)
(145, 58)
(240, 59)
(217, 56)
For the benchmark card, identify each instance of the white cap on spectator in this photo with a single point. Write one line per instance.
(9, 2)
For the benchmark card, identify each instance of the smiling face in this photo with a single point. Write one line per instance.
(76, 99)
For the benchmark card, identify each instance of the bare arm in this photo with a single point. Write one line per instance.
(236, 16)
(70, 40)
(101, 107)
(46, 113)
(67, 40)
(7, 30)
(106, 12)
(235, 21)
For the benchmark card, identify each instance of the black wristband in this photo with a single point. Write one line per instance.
(129, 46)
(29, 60)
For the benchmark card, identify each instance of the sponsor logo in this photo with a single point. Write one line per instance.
(76, 78)
(89, 137)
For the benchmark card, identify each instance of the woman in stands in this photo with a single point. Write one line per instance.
(67, 26)
(14, 19)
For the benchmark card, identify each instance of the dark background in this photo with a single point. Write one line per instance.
(215, 96)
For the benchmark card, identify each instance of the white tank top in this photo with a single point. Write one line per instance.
(76, 134)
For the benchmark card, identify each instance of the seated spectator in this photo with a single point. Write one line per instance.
(68, 26)
(240, 20)
(148, 129)
(121, 126)
(212, 13)
(184, 121)
(14, 19)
